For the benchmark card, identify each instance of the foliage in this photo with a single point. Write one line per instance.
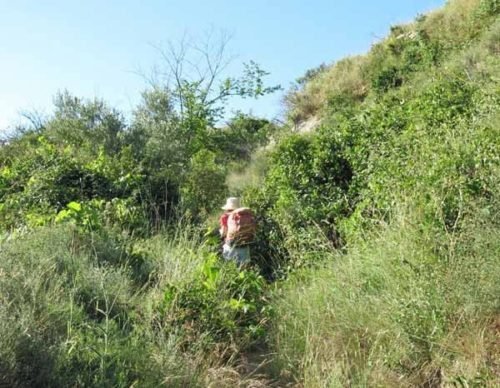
(243, 136)
(224, 303)
(379, 229)
(174, 130)
(306, 192)
(203, 188)
(398, 308)
(41, 177)
(148, 172)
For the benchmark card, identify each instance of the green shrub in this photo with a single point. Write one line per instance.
(222, 303)
(203, 188)
(308, 185)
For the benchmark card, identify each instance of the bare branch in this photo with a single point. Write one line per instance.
(215, 60)
(196, 72)
(174, 58)
(35, 118)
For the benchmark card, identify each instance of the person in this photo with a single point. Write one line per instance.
(237, 228)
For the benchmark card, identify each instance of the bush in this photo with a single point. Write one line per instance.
(221, 304)
(203, 188)
(308, 185)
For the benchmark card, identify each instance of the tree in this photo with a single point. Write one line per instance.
(79, 121)
(188, 96)
(177, 120)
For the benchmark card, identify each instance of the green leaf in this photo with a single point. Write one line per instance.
(75, 206)
(62, 215)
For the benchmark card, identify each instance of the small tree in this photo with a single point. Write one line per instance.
(178, 116)
(188, 97)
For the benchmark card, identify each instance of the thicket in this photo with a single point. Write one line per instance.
(105, 276)
(137, 177)
(387, 213)
(431, 138)
(376, 258)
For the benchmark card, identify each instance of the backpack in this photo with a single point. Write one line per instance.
(241, 226)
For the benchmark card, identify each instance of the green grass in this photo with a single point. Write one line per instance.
(382, 227)
(99, 309)
(70, 317)
(396, 310)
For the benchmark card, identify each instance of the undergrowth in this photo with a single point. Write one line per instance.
(376, 256)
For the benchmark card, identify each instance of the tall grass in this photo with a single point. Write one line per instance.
(398, 309)
(251, 174)
(73, 314)
(91, 309)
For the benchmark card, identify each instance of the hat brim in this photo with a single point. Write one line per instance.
(227, 208)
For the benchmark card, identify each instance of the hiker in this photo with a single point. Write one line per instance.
(237, 228)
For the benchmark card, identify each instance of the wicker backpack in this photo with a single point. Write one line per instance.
(241, 226)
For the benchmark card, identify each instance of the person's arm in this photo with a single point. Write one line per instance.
(223, 225)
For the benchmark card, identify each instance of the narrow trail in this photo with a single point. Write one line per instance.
(256, 369)
(251, 369)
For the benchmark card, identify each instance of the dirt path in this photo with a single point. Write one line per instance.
(252, 369)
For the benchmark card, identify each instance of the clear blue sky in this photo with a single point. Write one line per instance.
(94, 48)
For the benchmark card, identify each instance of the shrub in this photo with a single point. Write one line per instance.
(203, 188)
(221, 304)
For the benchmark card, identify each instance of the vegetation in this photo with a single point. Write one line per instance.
(377, 251)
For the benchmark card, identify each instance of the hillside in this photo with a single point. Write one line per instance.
(377, 254)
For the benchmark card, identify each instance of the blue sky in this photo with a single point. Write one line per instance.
(96, 48)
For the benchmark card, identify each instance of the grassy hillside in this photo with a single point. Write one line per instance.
(409, 50)
(391, 208)
(376, 261)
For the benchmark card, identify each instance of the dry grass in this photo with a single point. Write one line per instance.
(251, 175)
(450, 27)
(453, 23)
(344, 78)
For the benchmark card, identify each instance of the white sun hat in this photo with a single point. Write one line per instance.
(232, 203)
